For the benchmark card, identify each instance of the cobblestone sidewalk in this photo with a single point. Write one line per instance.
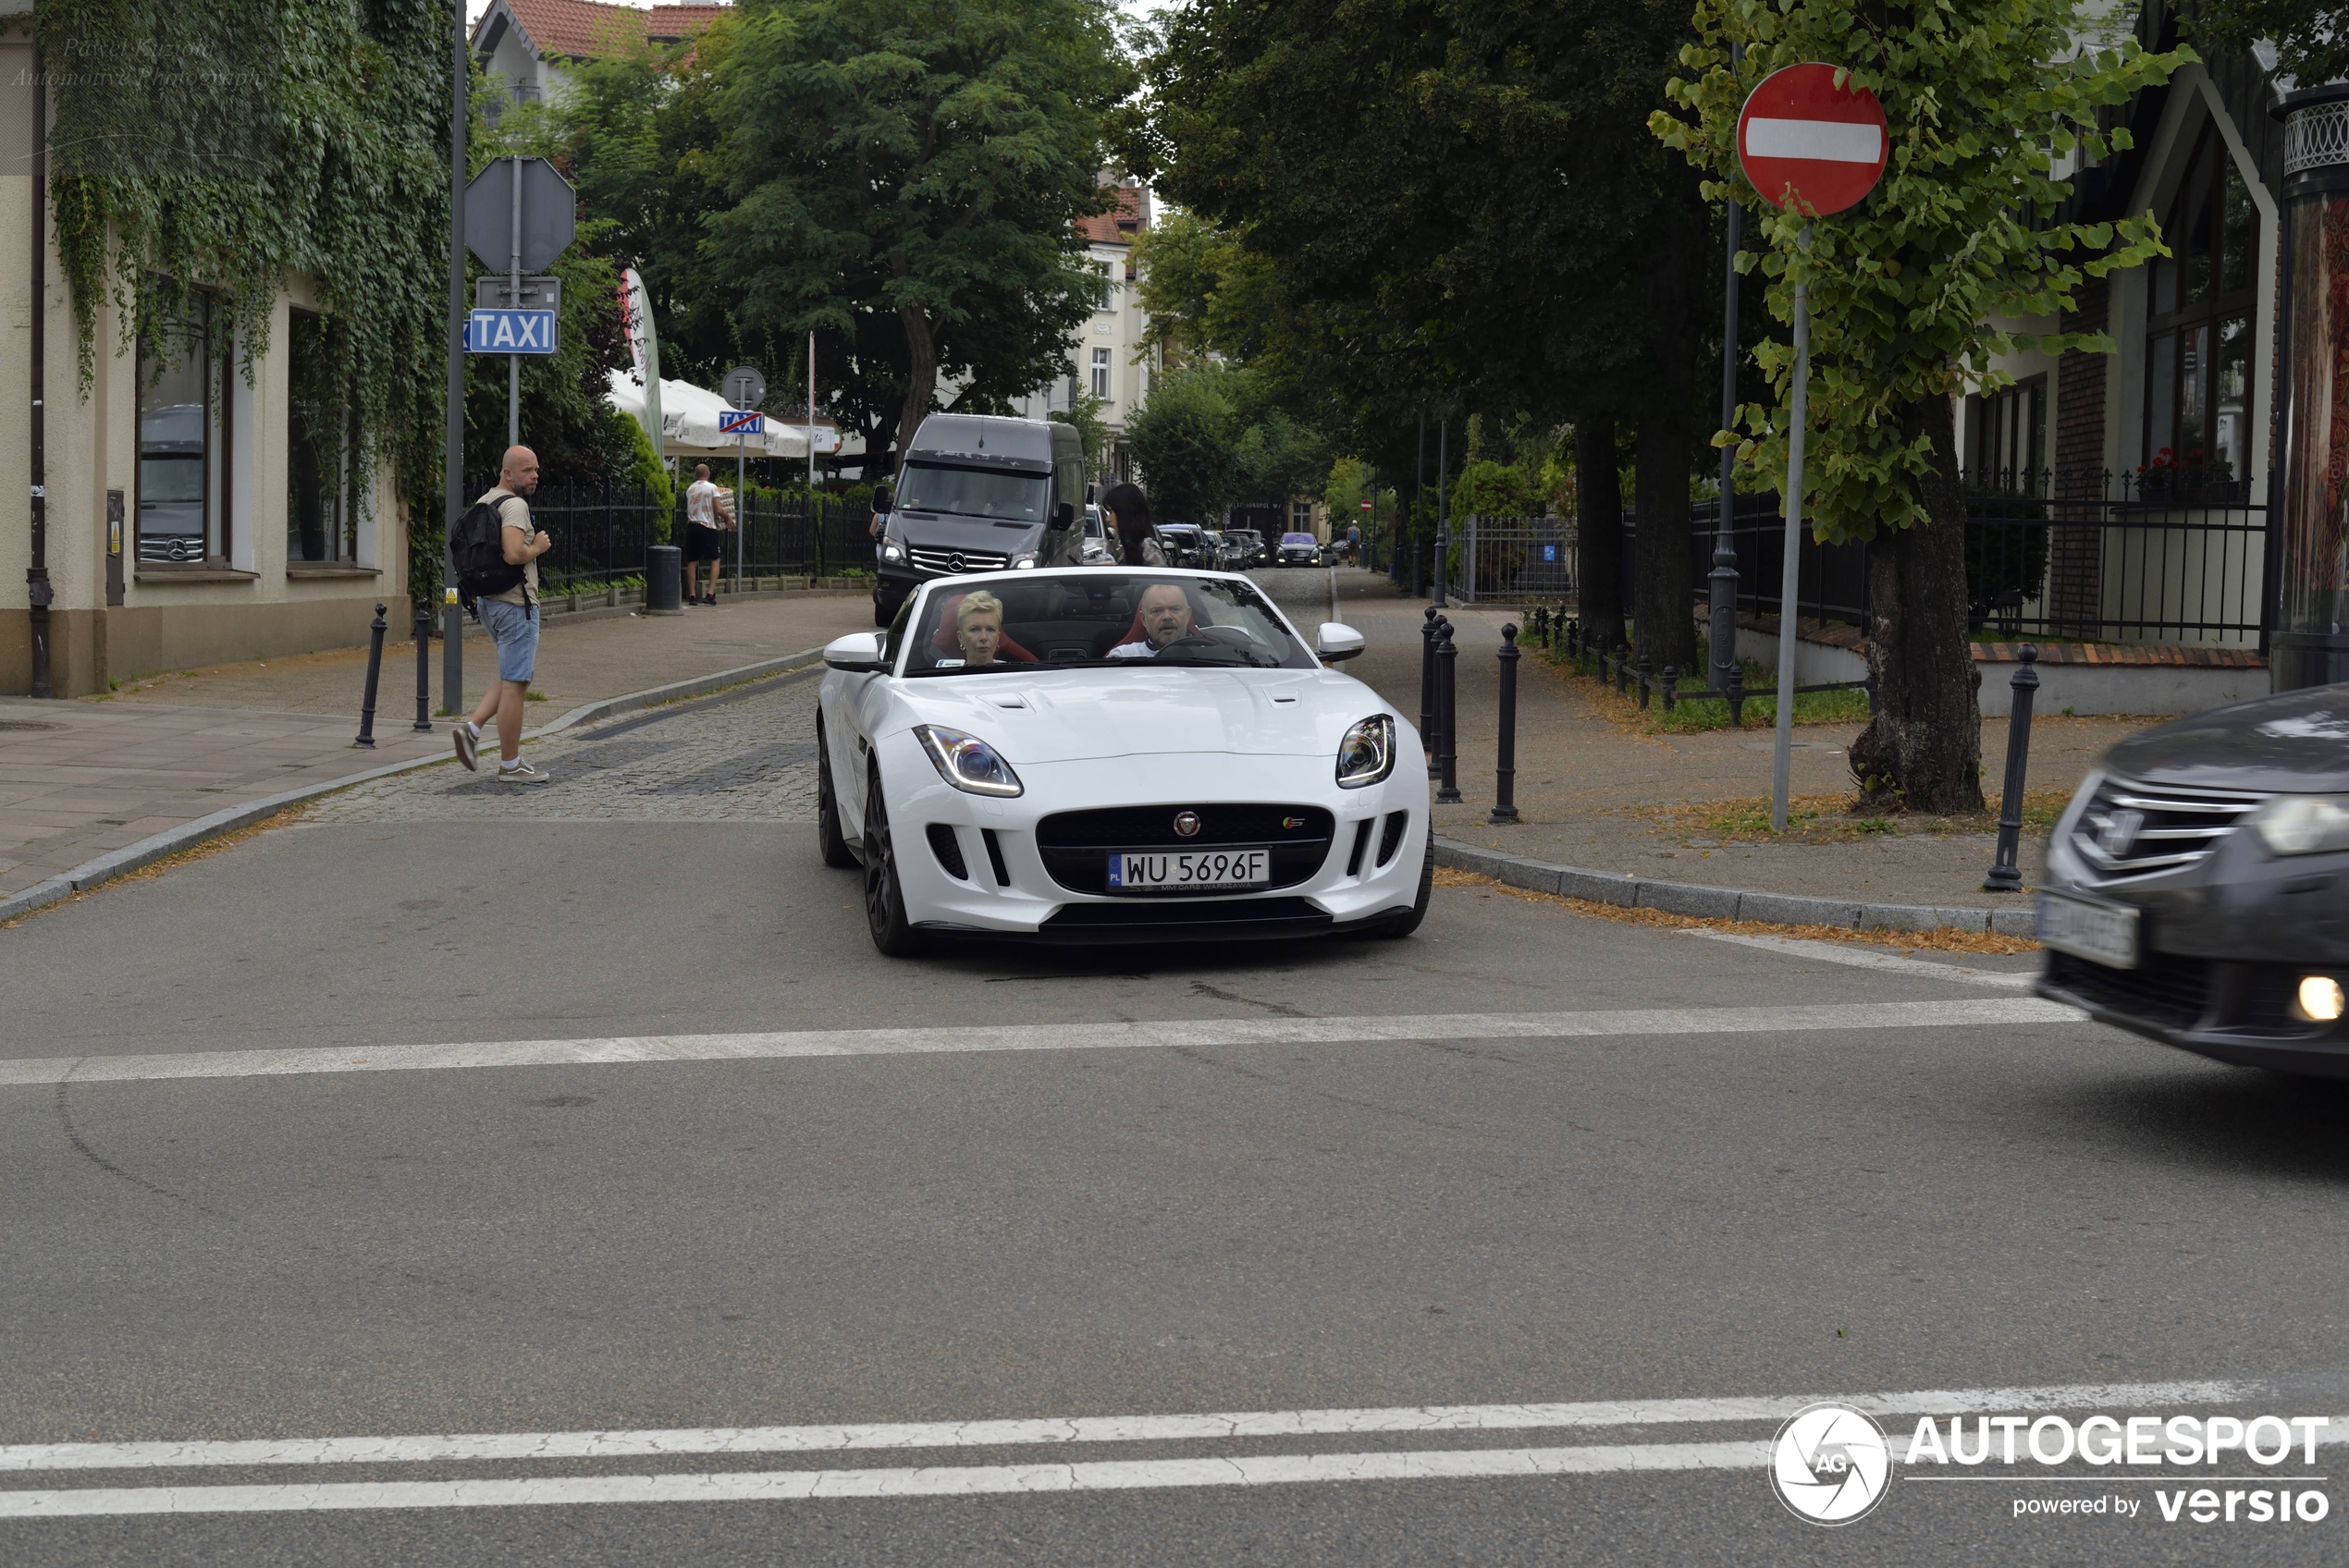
(746, 756)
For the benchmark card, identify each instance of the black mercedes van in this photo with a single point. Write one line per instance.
(979, 492)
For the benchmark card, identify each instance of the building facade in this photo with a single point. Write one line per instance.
(531, 43)
(1107, 361)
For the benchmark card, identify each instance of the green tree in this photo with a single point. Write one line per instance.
(924, 162)
(1906, 290)
(1184, 437)
(2311, 36)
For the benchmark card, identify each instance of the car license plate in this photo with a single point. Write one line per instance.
(2086, 928)
(1177, 870)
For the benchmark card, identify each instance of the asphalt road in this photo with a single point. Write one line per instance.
(768, 1196)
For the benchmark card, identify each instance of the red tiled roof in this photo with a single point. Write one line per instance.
(580, 27)
(1119, 224)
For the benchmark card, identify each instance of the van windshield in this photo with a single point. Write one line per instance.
(974, 492)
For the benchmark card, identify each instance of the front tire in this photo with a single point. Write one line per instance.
(884, 897)
(833, 842)
(1405, 924)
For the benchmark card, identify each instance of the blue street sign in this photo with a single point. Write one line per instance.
(510, 332)
(740, 421)
(1549, 552)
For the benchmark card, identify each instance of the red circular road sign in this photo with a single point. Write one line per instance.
(1808, 145)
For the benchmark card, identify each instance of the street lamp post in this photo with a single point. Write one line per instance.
(1722, 581)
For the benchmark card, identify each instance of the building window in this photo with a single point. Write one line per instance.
(183, 443)
(2007, 434)
(1100, 373)
(1300, 517)
(2198, 332)
(322, 511)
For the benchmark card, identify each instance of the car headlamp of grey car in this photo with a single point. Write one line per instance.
(1367, 755)
(967, 762)
(2303, 824)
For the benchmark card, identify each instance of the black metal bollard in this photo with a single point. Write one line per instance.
(1574, 644)
(2006, 875)
(1622, 668)
(376, 630)
(1640, 667)
(1447, 695)
(1671, 686)
(1427, 686)
(1737, 696)
(424, 666)
(1505, 762)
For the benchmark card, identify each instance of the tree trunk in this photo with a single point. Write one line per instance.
(1923, 751)
(921, 372)
(1663, 623)
(1599, 531)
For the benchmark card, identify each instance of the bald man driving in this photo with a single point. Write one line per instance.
(1166, 616)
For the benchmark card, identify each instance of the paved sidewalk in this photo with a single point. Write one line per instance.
(1594, 793)
(80, 778)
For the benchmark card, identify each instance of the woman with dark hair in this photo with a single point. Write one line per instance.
(1126, 511)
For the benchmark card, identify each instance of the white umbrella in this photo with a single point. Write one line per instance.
(689, 421)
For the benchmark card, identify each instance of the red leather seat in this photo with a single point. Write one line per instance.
(947, 643)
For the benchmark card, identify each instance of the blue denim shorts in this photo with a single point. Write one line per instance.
(515, 631)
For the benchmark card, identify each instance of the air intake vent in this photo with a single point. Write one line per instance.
(1361, 844)
(995, 858)
(1392, 839)
(948, 851)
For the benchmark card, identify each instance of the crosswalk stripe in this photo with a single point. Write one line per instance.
(1018, 1431)
(1194, 1034)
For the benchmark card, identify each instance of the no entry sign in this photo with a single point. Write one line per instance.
(1808, 145)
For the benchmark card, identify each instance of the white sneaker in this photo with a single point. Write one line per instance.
(522, 773)
(467, 747)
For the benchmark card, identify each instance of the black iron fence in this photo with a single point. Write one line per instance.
(601, 532)
(2094, 557)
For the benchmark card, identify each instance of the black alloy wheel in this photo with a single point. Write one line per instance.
(834, 843)
(884, 898)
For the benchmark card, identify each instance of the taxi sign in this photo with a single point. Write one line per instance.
(510, 332)
(740, 421)
(1810, 146)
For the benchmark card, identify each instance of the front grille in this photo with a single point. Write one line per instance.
(2131, 829)
(1156, 916)
(2172, 991)
(1076, 845)
(943, 563)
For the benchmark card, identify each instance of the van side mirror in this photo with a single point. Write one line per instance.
(880, 500)
(1064, 518)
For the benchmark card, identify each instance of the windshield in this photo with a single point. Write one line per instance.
(974, 492)
(1100, 619)
(1297, 539)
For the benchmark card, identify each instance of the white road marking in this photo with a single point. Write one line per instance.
(1167, 1033)
(951, 1480)
(1211, 1427)
(1830, 952)
(1833, 141)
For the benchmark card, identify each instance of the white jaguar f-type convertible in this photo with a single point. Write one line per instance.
(1091, 754)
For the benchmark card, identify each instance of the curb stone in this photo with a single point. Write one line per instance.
(1723, 903)
(171, 841)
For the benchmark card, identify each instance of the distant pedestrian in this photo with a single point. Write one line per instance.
(511, 620)
(1354, 544)
(702, 542)
(1126, 513)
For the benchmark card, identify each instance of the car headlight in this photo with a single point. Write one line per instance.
(2303, 824)
(891, 550)
(1026, 558)
(1367, 755)
(967, 762)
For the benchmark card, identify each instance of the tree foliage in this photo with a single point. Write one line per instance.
(1911, 292)
(922, 163)
(2311, 36)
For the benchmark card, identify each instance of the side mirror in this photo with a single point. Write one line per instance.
(861, 651)
(1336, 644)
(1092, 495)
(1063, 517)
(881, 500)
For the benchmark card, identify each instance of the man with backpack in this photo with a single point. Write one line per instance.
(496, 552)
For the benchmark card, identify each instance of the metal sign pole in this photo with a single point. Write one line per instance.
(1782, 764)
(1722, 581)
(811, 423)
(741, 507)
(513, 303)
(452, 654)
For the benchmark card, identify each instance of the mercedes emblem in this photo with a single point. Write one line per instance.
(954, 562)
(1186, 824)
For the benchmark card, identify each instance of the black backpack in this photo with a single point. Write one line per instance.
(477, 550)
